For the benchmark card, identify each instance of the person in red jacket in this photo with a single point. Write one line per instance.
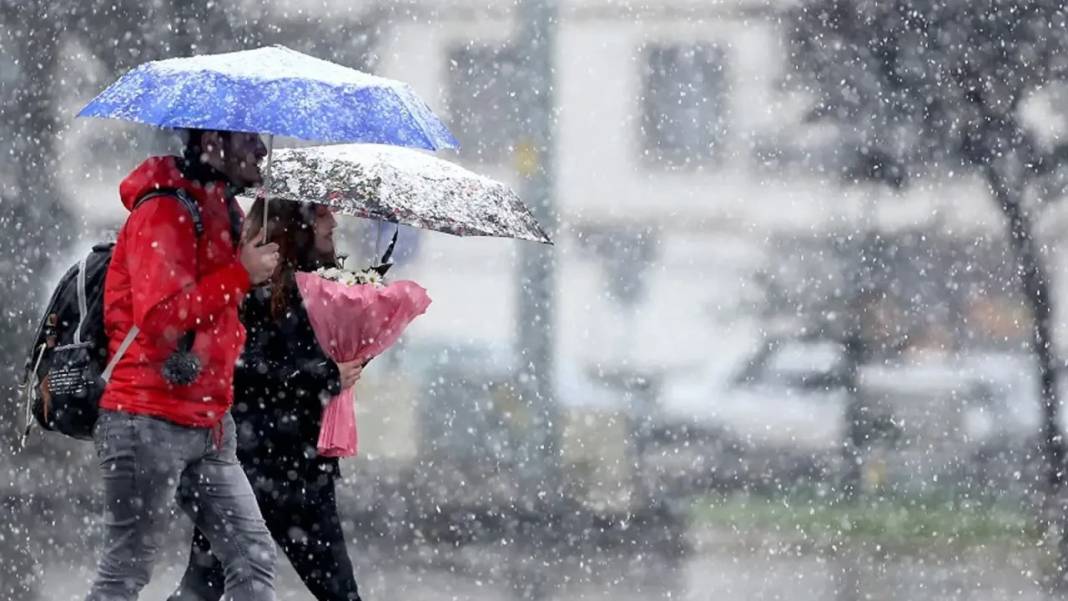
(161, 437)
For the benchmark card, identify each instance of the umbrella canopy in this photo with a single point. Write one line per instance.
(274, 91)
(400, 185)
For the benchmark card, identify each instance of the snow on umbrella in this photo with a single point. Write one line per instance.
(273, 91)
(276, 91)
(405, 186)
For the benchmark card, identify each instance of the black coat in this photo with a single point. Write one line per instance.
(281, 385)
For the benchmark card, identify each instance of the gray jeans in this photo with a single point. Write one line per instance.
(145, 462)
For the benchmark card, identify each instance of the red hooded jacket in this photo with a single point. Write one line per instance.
(167, 280)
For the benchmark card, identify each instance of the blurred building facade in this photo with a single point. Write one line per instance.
(681, 151)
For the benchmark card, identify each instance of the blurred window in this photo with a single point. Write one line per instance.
(483, 104)
(684, 104)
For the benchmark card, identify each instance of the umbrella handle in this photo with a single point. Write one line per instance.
(267, 185)
(387, 259)
(388, 256)
(378, 241)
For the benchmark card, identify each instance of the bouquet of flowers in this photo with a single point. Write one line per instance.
(356, 316)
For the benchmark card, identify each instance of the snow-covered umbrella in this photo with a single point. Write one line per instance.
(405, 186)
(273, 91)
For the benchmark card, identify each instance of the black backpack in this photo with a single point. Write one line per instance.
(68, 366)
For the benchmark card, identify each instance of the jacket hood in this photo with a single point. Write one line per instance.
(153, 174)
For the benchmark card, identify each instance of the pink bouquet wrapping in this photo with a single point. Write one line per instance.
(354, 319)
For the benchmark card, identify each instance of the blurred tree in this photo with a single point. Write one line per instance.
(33, 221)
(922, 88)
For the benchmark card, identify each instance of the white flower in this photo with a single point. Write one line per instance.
(330, 273)
(350, 278)
(369, 276)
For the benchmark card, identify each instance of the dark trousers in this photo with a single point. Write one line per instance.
(303, 520)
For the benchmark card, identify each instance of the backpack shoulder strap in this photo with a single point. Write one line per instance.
(186, 201)
(190, 205)
(125, 346)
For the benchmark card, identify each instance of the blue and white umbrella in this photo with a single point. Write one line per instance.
(274, 91)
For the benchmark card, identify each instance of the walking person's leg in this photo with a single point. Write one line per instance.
(308, 529)
(141, 459)
(217, 495)
(204, 578)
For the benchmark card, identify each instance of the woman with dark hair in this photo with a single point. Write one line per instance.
(281, 385)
